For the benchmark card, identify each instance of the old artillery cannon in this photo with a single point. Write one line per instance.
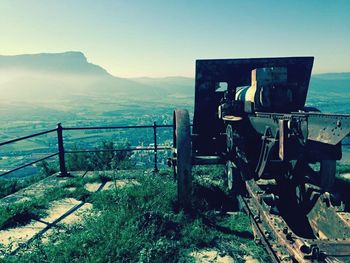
(280, 156)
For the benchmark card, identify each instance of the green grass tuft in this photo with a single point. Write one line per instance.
(141, 223)
(20, 214)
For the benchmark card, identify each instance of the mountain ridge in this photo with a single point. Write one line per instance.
(65, 62)
(73, 59)
(66, 75)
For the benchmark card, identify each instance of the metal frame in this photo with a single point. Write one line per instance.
(61, 151)
(207, 125)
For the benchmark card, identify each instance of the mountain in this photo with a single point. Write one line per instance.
(68, 80)
(333, 76)
(71, 62)
(66, 86)
(63, 76)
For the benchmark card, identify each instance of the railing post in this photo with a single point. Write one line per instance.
(63, 170)
(155, 170)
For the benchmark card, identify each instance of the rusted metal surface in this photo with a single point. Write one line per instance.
(259, 230)
(236, 73)
(284, 245)
(328, 128)
(327, 221)
(260, 126)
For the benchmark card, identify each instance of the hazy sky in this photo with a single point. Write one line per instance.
(163, 37)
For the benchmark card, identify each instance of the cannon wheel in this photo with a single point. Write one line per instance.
(182, 153)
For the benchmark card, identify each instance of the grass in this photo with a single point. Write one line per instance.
(342, 169)
(20, 214)
(142, 223)
(12, 185)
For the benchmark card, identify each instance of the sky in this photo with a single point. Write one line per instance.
(158, 38)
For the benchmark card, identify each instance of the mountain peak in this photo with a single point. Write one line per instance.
(72, 62)
(77, 55)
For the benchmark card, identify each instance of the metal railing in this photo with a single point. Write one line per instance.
(33, 162)
(61, 152)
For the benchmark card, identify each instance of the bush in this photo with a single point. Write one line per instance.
(108, 156)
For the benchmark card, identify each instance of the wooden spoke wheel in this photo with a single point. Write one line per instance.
(182, 154)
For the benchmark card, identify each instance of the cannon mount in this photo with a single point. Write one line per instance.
(250, 116)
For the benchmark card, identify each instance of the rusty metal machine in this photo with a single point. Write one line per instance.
(280, 156)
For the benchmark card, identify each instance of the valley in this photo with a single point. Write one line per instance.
(39, 91)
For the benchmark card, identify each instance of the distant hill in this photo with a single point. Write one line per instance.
(69, 78)
(48, 77)
(331, 82)
(330, 92)
(71, 62)
(176, 86)
(333, 76)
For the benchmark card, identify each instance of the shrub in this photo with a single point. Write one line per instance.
(108, 156)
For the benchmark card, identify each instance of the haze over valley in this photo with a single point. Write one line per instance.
(65, 87)
(93, 169)
(39, 91)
